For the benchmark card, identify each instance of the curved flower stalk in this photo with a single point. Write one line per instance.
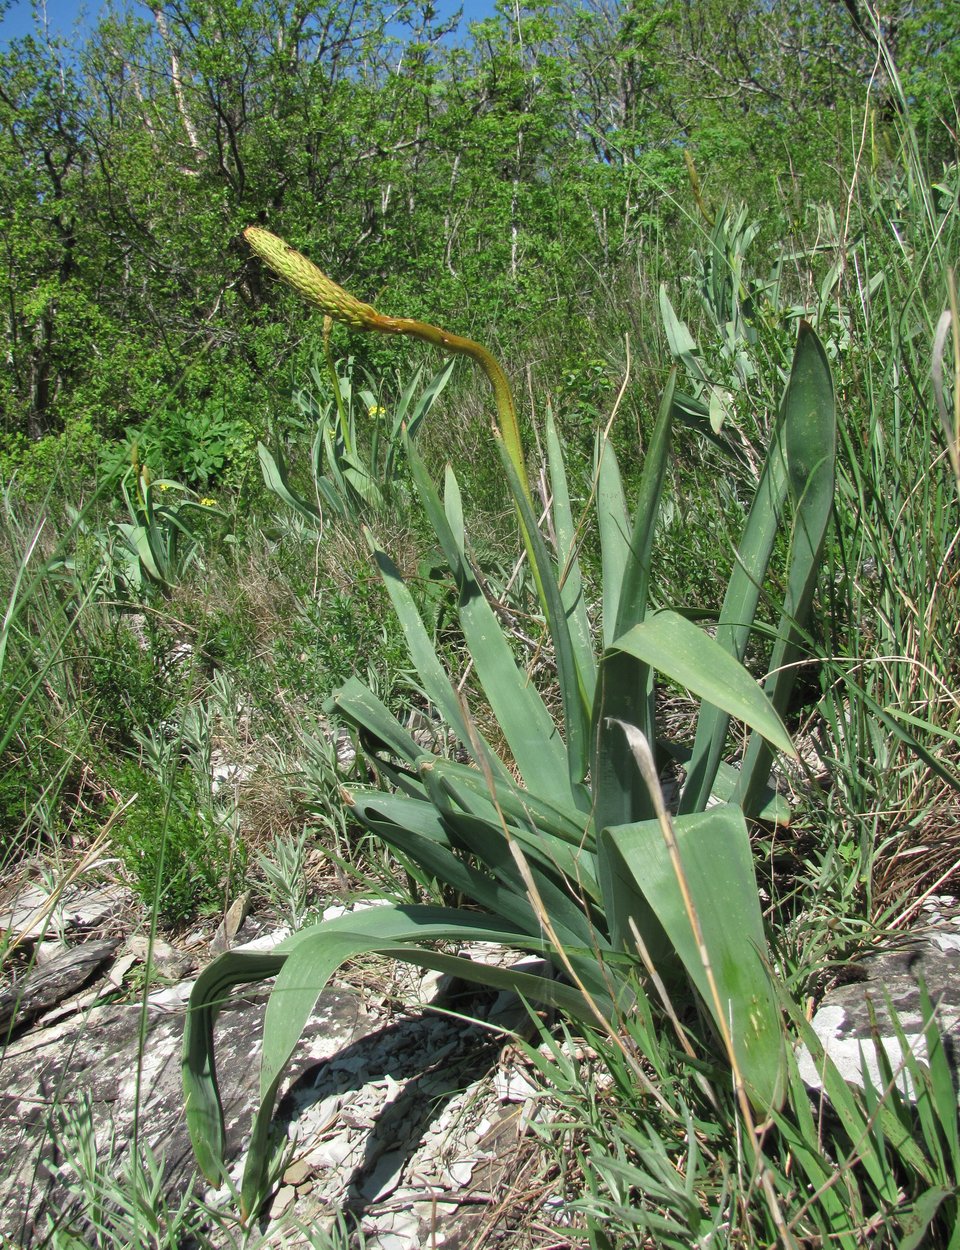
(304, 276)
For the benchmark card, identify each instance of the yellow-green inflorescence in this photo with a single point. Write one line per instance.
(304, 276)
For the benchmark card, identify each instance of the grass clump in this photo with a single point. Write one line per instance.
(181, 860)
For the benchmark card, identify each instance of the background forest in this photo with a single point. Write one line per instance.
(521, 180)
(599, 193)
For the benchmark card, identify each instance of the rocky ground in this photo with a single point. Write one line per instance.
(413, 1121)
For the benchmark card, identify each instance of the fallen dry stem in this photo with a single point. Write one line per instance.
(43, 911)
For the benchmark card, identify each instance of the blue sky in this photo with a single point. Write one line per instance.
(61, 14)
(64, 16)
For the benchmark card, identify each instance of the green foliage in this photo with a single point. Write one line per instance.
(161, 541)
(69, 458)
(498, 180)
(528, 174)
(180, 858)
(892, 729)
(355, 456)
(638, 1168)
(203, 445)
(562, 862)
(584, 392)
(285, 881)
(123, 1203)
(129, 674)
(45, 639)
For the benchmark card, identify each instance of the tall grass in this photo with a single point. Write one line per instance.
(893, 670)
(874, 834)
(45, 733)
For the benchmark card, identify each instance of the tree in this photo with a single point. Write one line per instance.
(42, 164)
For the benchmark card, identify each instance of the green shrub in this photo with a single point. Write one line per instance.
(202, 444)
(179, 859)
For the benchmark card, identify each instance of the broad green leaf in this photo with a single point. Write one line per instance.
(681, 341)
(738, 612)
(436, 684)
(771, 806)
(136, 537)
(717, 864)
(635, 586)
(316, 952)
(810, 434)
(613, 522)
(303, 966)
(453, 509)
(210, 994)
(358, 478)
(275, 477)
(576, 714)
(483, 829)
(527, 726)
(687, 655)
(361, 707)
(625, 688)
(695, 415)
(491, 880)
(427, 398)
(561, 821)
(571, 584)
(415, 830)
(317, 450)
(334, 449)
